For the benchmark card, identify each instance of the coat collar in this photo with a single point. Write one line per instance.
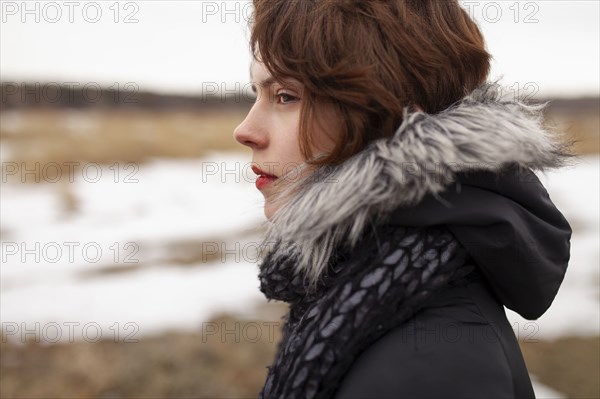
(482, 131)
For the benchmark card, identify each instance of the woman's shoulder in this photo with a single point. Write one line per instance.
(448, 349)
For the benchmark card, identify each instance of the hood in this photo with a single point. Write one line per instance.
(469, 167)
(510, 228)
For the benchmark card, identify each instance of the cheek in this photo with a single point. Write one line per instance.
(326, 129)
(289, 145)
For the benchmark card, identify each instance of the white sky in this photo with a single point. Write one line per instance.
(177, 46)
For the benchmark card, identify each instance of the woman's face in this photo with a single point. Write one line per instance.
(271, 131)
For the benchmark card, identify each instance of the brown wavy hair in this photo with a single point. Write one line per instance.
(370, 60)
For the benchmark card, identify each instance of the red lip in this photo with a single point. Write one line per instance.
(264, 179)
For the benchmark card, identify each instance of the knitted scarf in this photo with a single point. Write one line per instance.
(365, 294)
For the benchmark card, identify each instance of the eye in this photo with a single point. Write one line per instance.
(286, 98)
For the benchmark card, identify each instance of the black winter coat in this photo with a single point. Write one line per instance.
(461, 345)
(398, 263)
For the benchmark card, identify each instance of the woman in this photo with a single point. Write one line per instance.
(403, 213)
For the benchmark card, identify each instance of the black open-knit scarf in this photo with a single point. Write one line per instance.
(364, 294)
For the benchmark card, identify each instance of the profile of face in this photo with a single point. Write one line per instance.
(271, 130)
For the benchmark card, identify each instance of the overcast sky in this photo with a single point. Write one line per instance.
(181, 46)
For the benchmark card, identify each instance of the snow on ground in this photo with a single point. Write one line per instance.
(48, 254)
(175, 201)
(543, 391)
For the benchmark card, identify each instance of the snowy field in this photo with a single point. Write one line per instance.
(106, 260)
(50, 254)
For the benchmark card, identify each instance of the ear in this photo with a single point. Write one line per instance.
(415, 108)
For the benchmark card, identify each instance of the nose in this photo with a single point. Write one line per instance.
(250, 132)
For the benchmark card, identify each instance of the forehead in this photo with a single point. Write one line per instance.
(258, 72)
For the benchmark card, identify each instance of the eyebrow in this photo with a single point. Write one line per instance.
(265, 83)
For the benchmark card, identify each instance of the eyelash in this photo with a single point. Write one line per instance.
(289, 96)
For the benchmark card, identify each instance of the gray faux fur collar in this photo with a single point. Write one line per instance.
(482, 131)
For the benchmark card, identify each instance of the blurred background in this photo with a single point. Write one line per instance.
(130, 220)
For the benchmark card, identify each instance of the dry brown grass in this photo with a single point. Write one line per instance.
(106, 136)
(173, 365)
(570, 365)
(584, 128)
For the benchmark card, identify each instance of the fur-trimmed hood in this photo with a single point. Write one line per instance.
(393, 179)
